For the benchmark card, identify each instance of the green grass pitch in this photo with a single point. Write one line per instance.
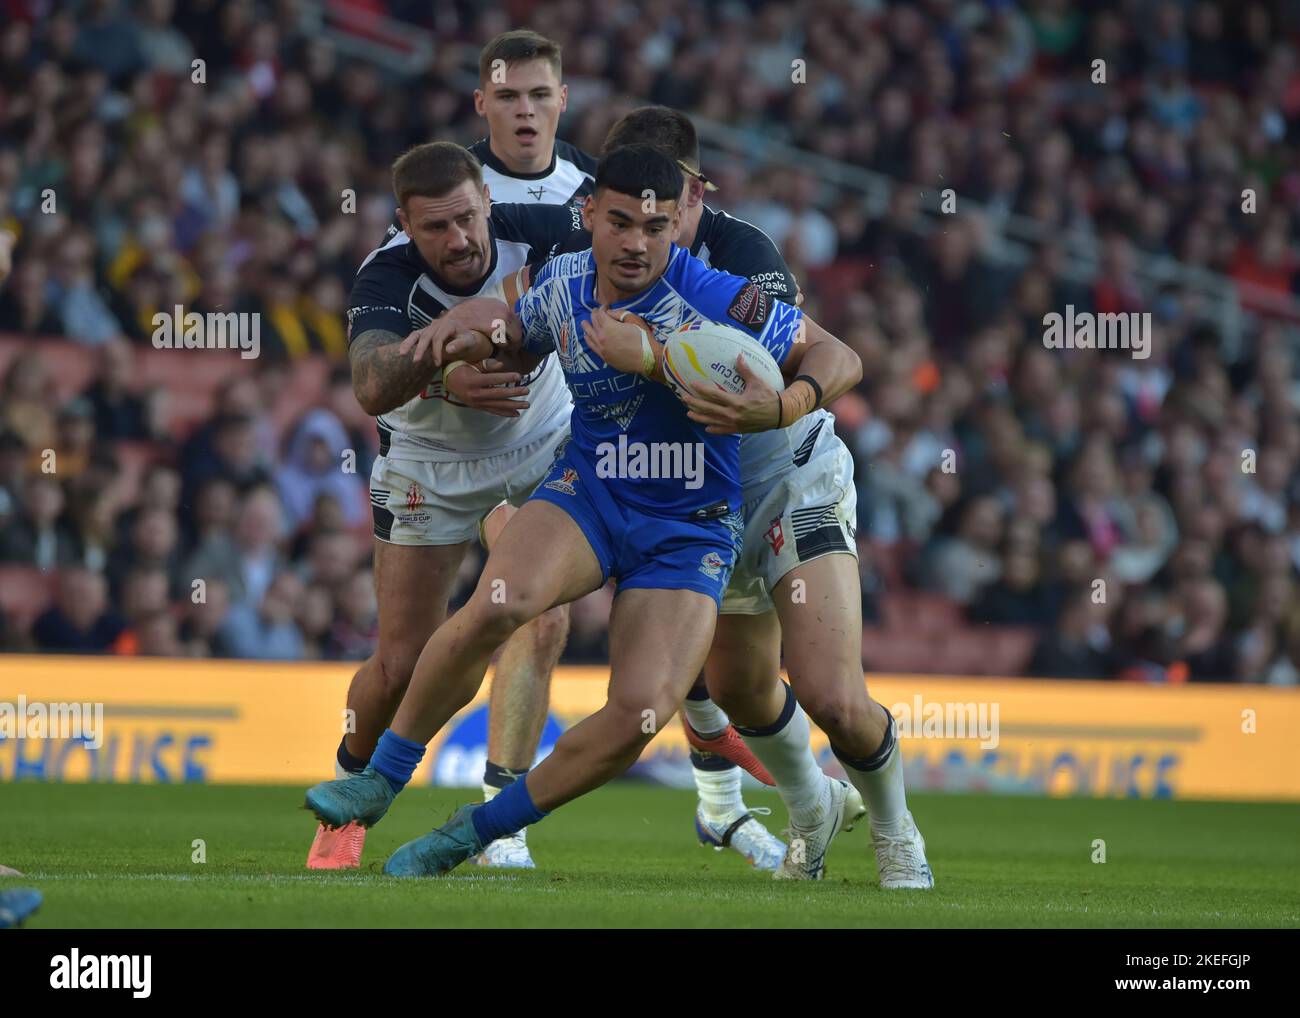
(122, 855)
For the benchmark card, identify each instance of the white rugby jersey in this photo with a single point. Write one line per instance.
(396, 291)
(571, 174)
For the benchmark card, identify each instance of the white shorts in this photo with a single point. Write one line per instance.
(808, 512)
(419, 503)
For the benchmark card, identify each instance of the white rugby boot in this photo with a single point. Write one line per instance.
(900, 856)
(839, 809)
(743, 832)
(508, 853)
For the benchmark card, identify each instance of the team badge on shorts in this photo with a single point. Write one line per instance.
(775, 536)
(414, 500)
(712, 565)
(565, 483)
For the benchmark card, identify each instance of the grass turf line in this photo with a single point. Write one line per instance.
(626, 855)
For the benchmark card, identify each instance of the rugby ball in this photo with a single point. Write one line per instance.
(706, 352)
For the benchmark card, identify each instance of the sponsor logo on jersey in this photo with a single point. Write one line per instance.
(565, 483)
(750, 307)
(712, 564)
(775, 536)
(537, 192)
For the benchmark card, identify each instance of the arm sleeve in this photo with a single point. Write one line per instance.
(378, 298)
(751, 253)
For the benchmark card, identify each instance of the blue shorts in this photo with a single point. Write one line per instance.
(637, 548)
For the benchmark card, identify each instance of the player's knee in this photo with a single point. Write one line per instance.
(551, 631)
(494, 617)
(839, 711)
(639, 721)
(396, 665)
(734, 687)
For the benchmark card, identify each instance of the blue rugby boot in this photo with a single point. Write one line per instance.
(442, 849)
(362, 798)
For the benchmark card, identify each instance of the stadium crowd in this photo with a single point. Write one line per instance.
(1140, 517)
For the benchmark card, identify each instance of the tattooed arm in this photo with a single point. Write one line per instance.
(382, 378)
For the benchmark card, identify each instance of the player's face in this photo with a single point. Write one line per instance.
(451, 232)
(630, 244)
(523, 112)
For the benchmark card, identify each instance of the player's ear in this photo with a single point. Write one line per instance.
(564, 97)
(694, 192)
(487, 201)
(479, 100)
(588, 211)
(401, 218)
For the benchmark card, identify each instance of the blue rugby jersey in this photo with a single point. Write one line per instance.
(610, 404)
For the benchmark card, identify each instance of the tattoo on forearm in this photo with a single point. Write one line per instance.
(382, 378)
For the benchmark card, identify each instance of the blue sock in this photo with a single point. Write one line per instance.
(396, 758)
(510, 810)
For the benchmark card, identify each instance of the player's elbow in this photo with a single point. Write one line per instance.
(367, 397)
(854, 367)
(370, 397)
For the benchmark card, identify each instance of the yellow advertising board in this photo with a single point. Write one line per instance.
(263, 722)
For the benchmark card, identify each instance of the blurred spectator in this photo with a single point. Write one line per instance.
(119, 411)
(39, 534)
(314, 466)
(960, 564)
(269, 630)
(80, 622)
(249, 561)
(204, 614)
(1079, 647)
(27, 406)
(356, 629)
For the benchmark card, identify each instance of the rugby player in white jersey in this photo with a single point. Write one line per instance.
(796, 583)
(444, 464)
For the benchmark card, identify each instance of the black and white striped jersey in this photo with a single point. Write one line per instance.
(396, 291)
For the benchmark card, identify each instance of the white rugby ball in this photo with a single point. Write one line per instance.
(706, 352)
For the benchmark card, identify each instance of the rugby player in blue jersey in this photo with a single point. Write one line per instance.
(669, 542)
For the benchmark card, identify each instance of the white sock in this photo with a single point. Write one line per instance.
(489, 792)
(788, 757)
(719, 793)
(340, 772)
(882, 786)
(705, 716)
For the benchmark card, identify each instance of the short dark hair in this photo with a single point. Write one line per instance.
(433, 170)
(635, 169)
(517, 47)
(657, 125)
